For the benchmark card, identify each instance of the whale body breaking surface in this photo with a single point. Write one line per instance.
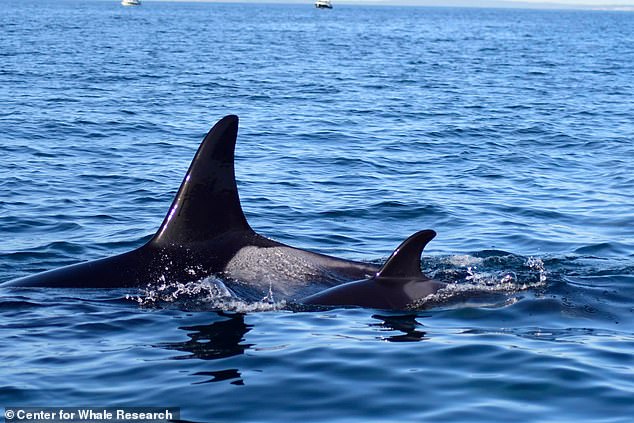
(206, 233)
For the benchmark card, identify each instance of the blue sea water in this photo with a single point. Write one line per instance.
(509, 132)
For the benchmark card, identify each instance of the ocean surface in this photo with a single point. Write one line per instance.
(509, 132)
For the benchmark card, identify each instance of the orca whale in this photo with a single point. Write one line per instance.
(205, 233)
(398, 284)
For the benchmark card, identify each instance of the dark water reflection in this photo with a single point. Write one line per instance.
(406, 324)
(214, 341)
(222, 375)
(221, 339)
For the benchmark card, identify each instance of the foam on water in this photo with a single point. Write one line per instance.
(212, 293)
(209, 293)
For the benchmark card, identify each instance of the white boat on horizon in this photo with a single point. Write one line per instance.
(323, 4)
(131, 2)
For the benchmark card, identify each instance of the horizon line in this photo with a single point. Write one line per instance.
(485, 4)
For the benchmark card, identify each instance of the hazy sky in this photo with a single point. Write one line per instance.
(598, 3)
(573, 2)
(608, 4)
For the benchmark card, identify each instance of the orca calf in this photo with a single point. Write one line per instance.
(206, 233)
(397, 285)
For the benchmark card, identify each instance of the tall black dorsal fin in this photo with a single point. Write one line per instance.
(207, 202)
(405, 260)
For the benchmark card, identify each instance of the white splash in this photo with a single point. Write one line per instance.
(208, 294)
(478, 284)
(464, 260)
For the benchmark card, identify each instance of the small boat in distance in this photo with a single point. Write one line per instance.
(323, 4)
(131, 2)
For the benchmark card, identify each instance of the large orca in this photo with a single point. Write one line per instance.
(397, 285)
(206, 233)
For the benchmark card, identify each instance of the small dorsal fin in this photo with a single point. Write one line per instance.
(207, 202)
(405, 260)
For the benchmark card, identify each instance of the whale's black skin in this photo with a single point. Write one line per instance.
(397, 285)
(205, 232)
